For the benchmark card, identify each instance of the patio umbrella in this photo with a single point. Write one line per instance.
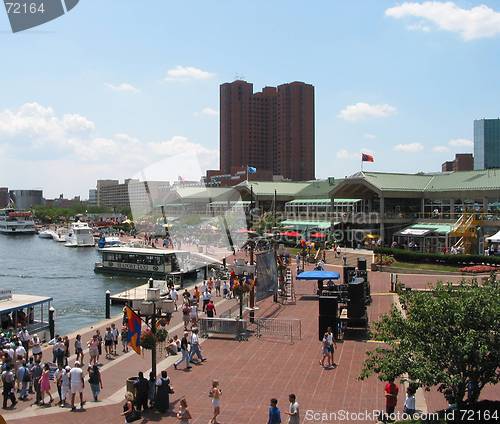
(290, 234)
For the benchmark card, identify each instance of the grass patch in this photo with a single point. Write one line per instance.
(424, 266)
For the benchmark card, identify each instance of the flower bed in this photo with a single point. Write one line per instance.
(478, 269)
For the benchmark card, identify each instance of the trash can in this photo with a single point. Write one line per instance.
(131, 385)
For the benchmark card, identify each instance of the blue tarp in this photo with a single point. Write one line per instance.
(318, 275)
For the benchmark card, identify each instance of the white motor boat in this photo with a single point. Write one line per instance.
(60, 235)
(16, 222)
(46, 234)
(80, 235)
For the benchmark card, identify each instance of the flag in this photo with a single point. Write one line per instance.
(365, 157)
(251, 170)
(134, 330)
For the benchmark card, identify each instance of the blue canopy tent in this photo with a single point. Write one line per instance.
(318, 275)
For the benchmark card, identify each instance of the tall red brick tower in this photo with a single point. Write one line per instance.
(272, 130)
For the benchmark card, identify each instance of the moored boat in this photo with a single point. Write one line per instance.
(16, 222)
(80, 235)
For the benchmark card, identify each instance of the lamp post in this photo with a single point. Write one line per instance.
(152, 309)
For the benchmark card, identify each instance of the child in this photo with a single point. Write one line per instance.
(409, 405)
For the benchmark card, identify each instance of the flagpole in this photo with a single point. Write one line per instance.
(247, 173)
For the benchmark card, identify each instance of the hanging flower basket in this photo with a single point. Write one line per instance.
(161, 335)
(148, 340)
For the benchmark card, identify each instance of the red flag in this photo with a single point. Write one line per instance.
(365, 157)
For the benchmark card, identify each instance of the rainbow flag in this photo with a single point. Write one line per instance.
(134, 325)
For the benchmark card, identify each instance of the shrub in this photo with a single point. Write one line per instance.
(439, 258)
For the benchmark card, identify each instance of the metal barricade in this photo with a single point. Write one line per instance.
(223, 326)
(280, 328)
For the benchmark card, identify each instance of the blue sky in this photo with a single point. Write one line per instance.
(90, 95)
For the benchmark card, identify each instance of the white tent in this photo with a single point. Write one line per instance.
(494, 238)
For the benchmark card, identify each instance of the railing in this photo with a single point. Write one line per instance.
(223, 326)
(290, 329)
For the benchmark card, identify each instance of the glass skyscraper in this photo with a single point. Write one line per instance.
(486, 143)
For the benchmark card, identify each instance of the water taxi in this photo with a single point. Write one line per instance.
(16, 222)
(148, 262)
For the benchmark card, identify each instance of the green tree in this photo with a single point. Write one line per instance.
(449, 338)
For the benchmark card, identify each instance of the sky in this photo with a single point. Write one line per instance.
(118, 88)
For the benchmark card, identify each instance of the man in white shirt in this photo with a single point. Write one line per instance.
(77, 385)
(293, 410)
(195, 347)
(115, 334)
(206, 298)
(24, 337)
(174, 296)
(20, 351)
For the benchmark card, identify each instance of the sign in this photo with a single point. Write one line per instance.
(5, 294)
(133, 267)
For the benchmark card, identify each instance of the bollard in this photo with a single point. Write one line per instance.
(51, 322)
(205, 272)
(224, 262)
(108, 304)
(151, 282)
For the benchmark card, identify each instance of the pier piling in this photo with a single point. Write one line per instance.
(51, 322)
(108, 304)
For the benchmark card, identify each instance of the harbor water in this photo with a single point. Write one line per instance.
(31, 265)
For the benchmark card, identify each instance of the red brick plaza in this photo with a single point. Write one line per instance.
(251, 372)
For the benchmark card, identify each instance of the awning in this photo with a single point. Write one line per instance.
(318, 275)
(424, 229)
(494, 238)
(418, 232)
(308, 224)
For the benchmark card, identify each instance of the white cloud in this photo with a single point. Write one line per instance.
(409, 148)
(123, 87)
(369, 136)
(183, 73)
(440, 149)
(207, 111)
(35, 134)
(360, 111)
(461, 142)
(474, 23)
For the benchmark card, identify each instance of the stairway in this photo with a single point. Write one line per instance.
(466, 230)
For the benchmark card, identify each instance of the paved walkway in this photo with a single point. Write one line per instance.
(253, 371)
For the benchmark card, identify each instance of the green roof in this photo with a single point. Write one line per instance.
(321, 201)
(205, 193)
(437, 228)
(302, 189)
(433, 182)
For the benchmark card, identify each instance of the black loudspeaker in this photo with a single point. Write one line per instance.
(325, 321)
(348, 273)
(328, 306)
(361, 264)
(356, 307)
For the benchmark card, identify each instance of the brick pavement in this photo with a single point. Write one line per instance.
(253, 371)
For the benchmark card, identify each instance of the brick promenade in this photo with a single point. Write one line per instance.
(253, 371)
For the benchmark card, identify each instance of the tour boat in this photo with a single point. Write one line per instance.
(80, 235)
(148, 262)
(16, 222)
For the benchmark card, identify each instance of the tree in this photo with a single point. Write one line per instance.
(450, 338)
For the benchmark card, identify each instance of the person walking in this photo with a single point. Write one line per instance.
(36, 373)
(210, 309)
(24, 337)
(217, 287)
(215, 394)
(183, 415)
(206, 298)
(124, 337)
(195, 347)
(128, 408)
(331, 345)
(391, 397)
(95, 381)
(23, 375)
(36, 348)
(194, 315)
(184, 351)
(66, 350)
(325, 349)
(44, 382)
(108, 342)
(293, 410)
(274, 413)
(77, 384)
(58, 379)
(93, 350)
(99, 344)
(65, 386)
(163, 391)
(141, 392)
(115, 334)
(186, 311)
(152, 389)
(79, 349)
(8, 387)
(174, 296)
